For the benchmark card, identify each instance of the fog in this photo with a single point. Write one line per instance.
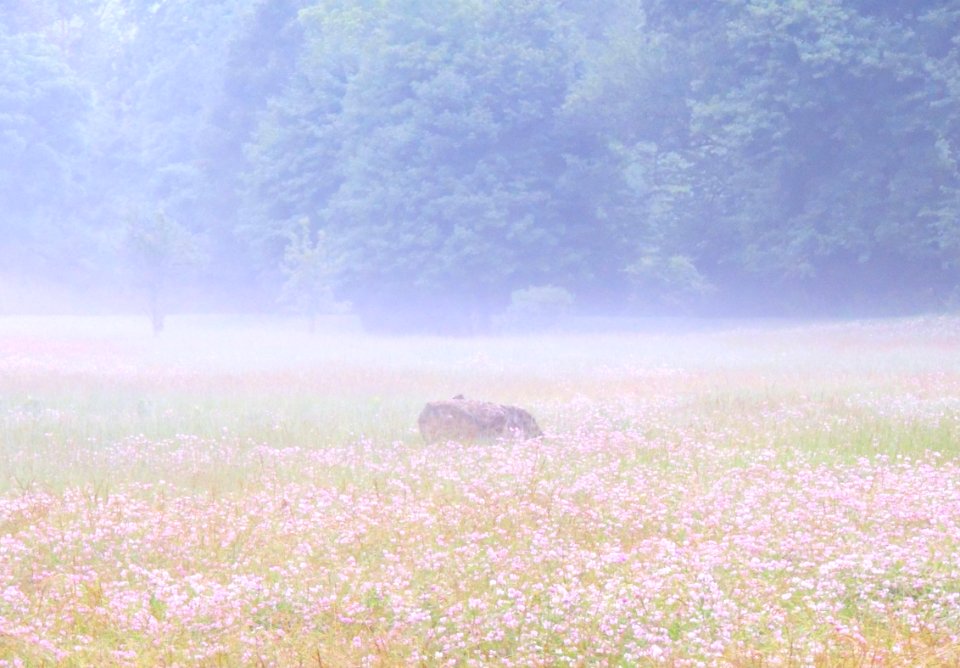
(463, 167)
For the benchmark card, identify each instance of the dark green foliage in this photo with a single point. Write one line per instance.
(739, 155)
(424, 137)
(817, 131)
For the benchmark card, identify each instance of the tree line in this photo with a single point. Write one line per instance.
(435, 164)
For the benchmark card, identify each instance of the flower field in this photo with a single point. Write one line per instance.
(246, 494)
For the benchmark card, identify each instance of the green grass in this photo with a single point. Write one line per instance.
(277, 478)
(830, 392)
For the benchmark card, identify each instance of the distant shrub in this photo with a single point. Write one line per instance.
(309, 270)
(673, 282)
(536, 307)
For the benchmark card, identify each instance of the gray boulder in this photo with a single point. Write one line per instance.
(461, 419)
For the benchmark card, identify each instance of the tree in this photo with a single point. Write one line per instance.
(157, 137)
(817, 146)
(309, 271)
(787, 157)
(422, 136)
(938, 27)
(160, 250)
(44, 110)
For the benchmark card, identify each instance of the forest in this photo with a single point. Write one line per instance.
(446, 165)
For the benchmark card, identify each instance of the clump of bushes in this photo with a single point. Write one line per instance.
(536, 307)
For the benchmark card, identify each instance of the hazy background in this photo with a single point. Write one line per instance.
(464, 165)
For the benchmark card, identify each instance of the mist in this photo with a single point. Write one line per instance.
(479, 333)
(464, 167)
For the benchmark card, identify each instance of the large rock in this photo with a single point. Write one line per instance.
(460, 419)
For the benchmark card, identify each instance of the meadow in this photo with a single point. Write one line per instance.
(241, 493)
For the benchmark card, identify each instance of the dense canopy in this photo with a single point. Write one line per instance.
(424, 163)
